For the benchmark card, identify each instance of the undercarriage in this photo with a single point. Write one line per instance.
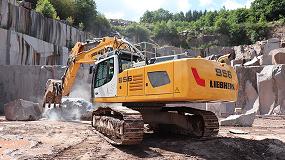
(122, 125)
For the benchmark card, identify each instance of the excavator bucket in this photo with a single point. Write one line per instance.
(53, 93)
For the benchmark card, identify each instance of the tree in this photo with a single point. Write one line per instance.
(156, 16)
(101, 26)
(46, 8)
(271, 9)
(64, 8)
(189, 16)
(166, 32)
(222, 26)
(85, 12)
(179, 16)
(138, 32)
(147, 17)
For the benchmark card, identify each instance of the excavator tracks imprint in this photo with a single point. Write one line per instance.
(118, 125)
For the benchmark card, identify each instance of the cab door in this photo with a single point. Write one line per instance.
(105, 80)
(159, 78)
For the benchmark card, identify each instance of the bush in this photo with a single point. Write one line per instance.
(46, 8)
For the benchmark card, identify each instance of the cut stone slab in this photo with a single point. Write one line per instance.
(21, 110)
(243, 120)
(254, 62)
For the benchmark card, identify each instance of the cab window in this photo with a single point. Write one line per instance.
(104, 72)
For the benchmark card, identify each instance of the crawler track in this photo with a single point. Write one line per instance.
(205, 123)
(118, 125)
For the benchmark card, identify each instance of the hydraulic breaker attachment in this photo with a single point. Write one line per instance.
(53, 93)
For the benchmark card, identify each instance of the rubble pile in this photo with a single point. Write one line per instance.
(71, 109)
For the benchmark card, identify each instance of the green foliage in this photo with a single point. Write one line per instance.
(166, 31)
(272, 9)
(70, 20)
(101, 25)
(81, 26)
(179, 16)
(156, 16)
(222, 26)
(46, 8)
(85, 12)
(138, 32)
(235, 27)
(80, 13)
(64, 8)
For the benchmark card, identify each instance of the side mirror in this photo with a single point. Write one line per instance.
(90, 69)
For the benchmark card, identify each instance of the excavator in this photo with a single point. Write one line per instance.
(129, 92)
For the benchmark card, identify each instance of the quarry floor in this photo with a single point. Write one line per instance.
(75, 140)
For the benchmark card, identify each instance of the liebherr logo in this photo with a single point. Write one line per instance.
(213, 84)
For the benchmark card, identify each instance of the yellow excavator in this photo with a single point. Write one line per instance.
(129, 92)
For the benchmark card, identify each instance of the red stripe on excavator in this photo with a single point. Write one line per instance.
(198, 79)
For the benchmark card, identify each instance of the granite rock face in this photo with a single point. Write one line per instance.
(271, 89)
(29, 38)
(247, 78)
(21, 110)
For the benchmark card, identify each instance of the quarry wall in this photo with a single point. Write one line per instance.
(29, 38)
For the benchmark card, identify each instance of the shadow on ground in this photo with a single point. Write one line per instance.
(155, 145)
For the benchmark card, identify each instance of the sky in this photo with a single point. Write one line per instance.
(134, 9)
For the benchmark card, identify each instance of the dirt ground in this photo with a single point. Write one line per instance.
(75, 140)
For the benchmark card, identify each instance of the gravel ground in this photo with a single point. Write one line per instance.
(75, 140)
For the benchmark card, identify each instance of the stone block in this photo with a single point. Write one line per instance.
(271, 88)
(251, 96)
(254, 62)
(271, 44)
(21, 110)
(278, 56)
(246, 74)
(243, 120)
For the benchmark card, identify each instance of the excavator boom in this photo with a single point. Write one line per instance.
(55, 89)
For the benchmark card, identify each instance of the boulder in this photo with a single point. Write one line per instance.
(270, 45)
(271, 88)
(278, 56)
(21, 110)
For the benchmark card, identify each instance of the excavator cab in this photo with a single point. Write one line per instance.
(105, 73)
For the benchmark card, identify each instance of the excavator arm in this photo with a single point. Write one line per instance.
(55, 89)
